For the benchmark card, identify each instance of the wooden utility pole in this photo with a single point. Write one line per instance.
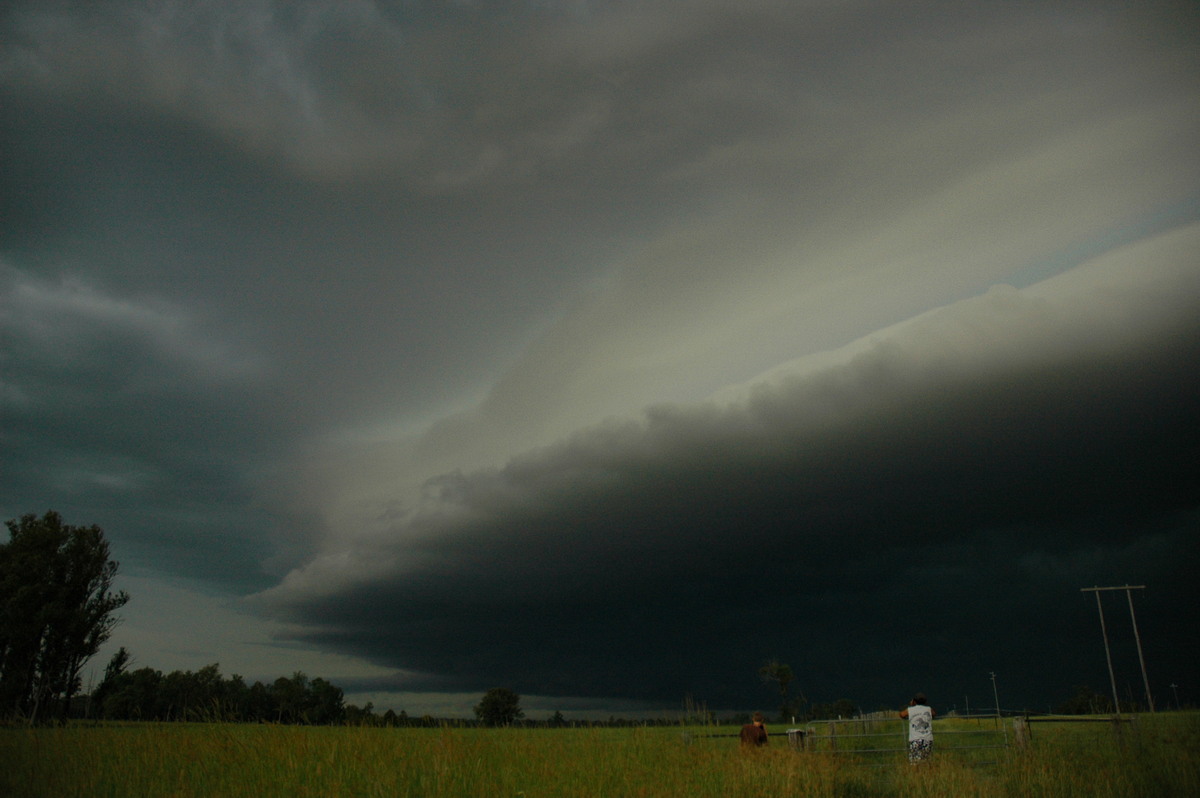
(1137, 638)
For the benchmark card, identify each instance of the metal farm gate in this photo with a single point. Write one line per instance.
(974, 739)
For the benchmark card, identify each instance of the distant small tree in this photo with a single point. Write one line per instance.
(117, 664)
(179, 691)
(236, 699)
(842, 708)
(360, 716)
(293, 700)
(781, 673)
(1086, 701)
(134, 695)
(113, 672)
(499, 707)
(260, 703)
(326, 702)
(845, 708)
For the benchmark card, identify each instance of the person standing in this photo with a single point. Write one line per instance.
(755, 734)
(920, 728)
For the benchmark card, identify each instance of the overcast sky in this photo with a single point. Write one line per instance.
(606, 350)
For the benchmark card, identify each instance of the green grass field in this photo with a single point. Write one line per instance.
(1159, 755)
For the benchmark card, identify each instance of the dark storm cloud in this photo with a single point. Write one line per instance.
(919, 515)
(337, 296)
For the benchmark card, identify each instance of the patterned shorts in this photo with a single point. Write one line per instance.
(919, 750)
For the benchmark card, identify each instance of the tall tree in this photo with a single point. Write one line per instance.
(57, 610)
(499, 707)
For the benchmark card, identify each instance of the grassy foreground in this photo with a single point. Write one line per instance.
(1159, 756)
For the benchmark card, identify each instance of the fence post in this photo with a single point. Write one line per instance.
(1021, 732)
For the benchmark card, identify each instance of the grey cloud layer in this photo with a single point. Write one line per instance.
(460, 97)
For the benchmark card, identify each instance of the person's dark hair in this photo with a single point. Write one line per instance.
(920, 699)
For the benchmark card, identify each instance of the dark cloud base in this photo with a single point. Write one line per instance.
(922, 538)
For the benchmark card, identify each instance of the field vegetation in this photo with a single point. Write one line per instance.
(1156, 755)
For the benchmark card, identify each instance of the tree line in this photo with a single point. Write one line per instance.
(204, 695)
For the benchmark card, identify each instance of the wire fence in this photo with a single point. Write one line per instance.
(977, 739)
